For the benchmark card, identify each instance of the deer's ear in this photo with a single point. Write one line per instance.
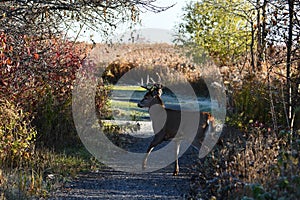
(159, 92)
(206, 115)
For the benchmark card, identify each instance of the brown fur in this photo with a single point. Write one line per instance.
(165, 123)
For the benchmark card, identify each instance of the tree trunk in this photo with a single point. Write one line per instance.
(261, 32)
(252, 47)
(258, 63)
(289, 59)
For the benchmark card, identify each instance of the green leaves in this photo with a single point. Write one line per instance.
(16, 134)
(218, 27)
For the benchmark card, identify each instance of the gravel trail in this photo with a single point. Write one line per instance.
(110, 184)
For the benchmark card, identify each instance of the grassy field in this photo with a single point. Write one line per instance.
(124, 99)
(123, 103)
(128, 88)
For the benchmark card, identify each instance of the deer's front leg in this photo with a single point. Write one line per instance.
(176, 170)
(158, 138)
(146, 157)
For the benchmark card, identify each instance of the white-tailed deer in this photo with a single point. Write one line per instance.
(166, 122)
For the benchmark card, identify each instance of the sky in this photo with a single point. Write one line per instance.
(164, 20)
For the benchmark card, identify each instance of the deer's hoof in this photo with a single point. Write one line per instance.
(144, 167)
(175, 173)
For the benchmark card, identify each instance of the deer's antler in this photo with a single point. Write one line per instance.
(154, 85)
(151, 87)
(147, 87)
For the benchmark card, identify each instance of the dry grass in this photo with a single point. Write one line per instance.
(257, 164)
(149, 59)
(44, 173)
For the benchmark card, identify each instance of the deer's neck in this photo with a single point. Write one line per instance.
(156, 110)
(158, 117)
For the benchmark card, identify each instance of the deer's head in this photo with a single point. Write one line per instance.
(152, 96)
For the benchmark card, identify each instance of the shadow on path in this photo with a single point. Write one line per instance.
(111, 184)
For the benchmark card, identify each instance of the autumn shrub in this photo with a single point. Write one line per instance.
(27, 171)
(284, 182)
(3, 183)
(251, 102)
(17, 136)
(257, 154)
(38, 75)
(256, 101)
(257, 164)
(103, 110)
(54, 123)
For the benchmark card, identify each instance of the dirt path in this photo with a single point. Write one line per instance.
(111, 184)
